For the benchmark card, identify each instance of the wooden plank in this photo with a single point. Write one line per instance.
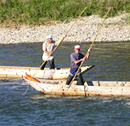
(107, 88)
(21, 71)
(17, 71)
(109, 83)
(19, 67)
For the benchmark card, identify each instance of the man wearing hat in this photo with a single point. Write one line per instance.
(48, 46)
(76, 59)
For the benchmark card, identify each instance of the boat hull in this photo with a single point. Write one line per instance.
(91, 88)
(59, 73)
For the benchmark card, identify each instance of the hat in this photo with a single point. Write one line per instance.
(77, 47)
(49, 37)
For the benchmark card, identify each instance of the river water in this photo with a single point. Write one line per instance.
(112, 62)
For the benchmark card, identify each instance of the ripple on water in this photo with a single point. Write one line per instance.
(34, 108)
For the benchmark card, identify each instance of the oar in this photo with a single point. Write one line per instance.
(57, 45)
(89, 49)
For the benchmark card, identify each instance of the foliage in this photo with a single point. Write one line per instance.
(38, 12)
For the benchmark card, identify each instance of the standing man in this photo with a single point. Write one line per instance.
(48, 47)
(76, 59)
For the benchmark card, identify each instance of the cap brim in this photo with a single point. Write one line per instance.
(77, 48)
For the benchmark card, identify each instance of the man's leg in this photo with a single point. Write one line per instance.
(69, 79)
(43, 66)
(52, 64)
(80, 79)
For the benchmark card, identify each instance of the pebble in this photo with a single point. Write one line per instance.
(84, 30)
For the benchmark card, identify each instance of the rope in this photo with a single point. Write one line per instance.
(26, 89)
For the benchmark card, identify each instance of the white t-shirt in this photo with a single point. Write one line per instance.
(48, 47)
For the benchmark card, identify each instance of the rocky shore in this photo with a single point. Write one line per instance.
(85, 30)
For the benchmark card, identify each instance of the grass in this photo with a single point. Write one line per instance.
(40, 12)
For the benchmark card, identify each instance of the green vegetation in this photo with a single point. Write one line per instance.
(40, 12)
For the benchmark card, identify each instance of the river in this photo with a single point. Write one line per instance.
(21, 105)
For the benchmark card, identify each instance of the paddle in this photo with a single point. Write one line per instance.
(87, 54)
(28, 76)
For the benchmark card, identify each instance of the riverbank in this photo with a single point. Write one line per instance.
(85, 30)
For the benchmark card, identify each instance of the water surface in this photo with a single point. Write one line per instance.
(21, 105)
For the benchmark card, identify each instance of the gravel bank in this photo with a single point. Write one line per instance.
(84, 30)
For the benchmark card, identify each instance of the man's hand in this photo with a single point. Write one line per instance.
(89, 50)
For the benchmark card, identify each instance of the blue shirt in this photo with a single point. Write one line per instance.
(74, 67)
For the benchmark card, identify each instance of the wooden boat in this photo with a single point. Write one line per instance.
(99, 88)
(59, 73)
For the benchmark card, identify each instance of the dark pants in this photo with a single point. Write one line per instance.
(51, 62)
(79, 77)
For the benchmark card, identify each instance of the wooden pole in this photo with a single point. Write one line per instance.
(64, 36)
(59, 42)
(89, 48)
